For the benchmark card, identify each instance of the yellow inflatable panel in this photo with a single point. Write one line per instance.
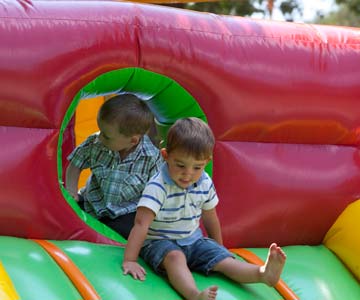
(85, 124)
(7, 289)
(343, 237)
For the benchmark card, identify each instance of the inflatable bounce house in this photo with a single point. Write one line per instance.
(282, 99)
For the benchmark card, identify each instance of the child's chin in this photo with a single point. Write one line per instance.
(183, 185)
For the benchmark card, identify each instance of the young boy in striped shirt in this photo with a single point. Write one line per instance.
(166, 233)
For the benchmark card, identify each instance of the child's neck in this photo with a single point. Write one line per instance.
(125, 152)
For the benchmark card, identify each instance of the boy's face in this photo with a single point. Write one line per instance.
(184, 170)
(112, 139)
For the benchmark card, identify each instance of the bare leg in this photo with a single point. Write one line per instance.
(182, 280)
(243, 272)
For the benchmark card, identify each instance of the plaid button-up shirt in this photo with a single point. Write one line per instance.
(114, 186)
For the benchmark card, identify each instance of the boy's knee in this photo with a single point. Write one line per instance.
(174, 257)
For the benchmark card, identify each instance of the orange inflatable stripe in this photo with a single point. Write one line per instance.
(281, 286)
(81, 283)
(7, 289)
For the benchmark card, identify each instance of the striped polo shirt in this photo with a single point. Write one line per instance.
(177, 210)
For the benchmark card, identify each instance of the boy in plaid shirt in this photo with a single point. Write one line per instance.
(122, 159)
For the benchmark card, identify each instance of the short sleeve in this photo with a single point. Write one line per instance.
(153, 196)
(80, 156)
(156, 163)
(213, 199)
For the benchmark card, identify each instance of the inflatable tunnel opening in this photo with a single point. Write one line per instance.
(167, 100)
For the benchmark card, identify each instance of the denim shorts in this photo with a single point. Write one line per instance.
(201, 256)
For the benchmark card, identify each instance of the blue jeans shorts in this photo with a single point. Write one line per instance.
(201, 256)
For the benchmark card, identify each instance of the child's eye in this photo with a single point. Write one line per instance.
(197, 168)
(180, 166)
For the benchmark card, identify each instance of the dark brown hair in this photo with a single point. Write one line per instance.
(131, 114)
(193, 136)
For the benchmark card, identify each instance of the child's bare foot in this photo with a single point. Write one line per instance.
(271, 271)
(208, 294)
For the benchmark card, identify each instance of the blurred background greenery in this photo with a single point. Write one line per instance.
(333, 12)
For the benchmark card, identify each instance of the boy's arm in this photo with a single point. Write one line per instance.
(72, 179)
(143, 219)
(212, 224)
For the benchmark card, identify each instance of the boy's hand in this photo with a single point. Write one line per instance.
(133, 268)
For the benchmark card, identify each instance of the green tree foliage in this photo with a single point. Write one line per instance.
(344, 16)
(352, 5)
(228, 7)
(288, 8)
(245, 7)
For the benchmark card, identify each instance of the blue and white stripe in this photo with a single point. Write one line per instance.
(177, 211)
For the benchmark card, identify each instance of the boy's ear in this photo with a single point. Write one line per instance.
(164, 153)
(135, 139)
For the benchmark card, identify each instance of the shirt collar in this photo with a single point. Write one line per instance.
(145, 147)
